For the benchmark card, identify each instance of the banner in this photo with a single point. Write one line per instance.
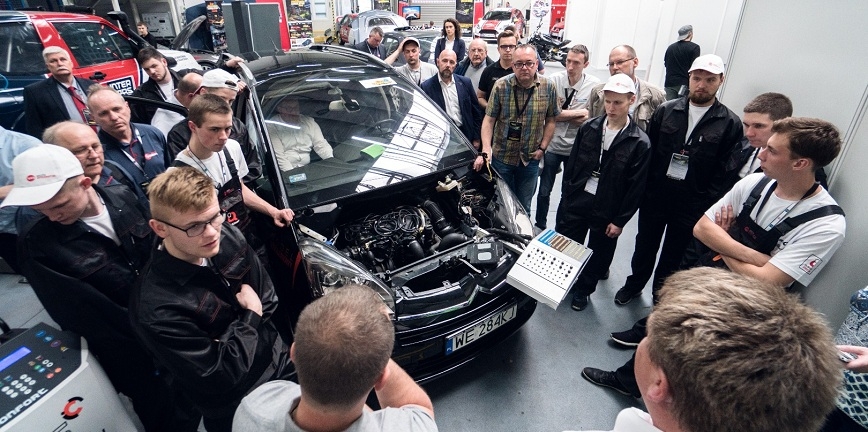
(300, 24)
(214, 15)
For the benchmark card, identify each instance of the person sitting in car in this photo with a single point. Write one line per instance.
(294, 135)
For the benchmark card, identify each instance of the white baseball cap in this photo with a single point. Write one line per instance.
(708, 62)
(39, 173)
(219, 78)
(620, 83)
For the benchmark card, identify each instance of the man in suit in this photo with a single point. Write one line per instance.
(372, 45)
(455, 95)
(59, 97)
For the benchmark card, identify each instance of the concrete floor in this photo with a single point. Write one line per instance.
(530, 382)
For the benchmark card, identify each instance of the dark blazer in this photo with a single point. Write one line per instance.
(43, 106)
(459, 47)
(468, 104)
(364, 47)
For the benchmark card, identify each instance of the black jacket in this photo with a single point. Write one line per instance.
(187, 316)
(712, 143)
(179, 138)
(468, 103)
(84, 280)
(43, 106)
(622, 180)
(143, 113)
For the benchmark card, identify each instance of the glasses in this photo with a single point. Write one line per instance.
(524, 65)
(198, 228)
(507, 47)
(96, 148)
(619, 62)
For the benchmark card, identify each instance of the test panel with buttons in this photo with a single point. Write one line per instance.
(548, 267)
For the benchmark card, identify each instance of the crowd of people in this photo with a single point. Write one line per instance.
(137, 235)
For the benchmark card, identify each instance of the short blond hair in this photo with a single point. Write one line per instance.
(742, 355)
(180, 189)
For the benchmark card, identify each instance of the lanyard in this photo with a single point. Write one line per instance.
(789, 208)
(526, 101)
(755, 154)
(131, 155)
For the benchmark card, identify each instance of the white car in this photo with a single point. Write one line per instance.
(365, 21)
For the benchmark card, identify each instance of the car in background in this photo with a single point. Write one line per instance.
(100, 52)
(398, 208)
(344, 25)
(494, 21)
(360, 26)
(427, 40)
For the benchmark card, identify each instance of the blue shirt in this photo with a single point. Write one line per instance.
(146, 160)
(11, 145)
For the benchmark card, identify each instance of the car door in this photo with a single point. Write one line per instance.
(100, 53)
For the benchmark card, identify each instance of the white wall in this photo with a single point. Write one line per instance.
(650, 26)
(813, 53)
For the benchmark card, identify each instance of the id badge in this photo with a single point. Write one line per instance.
(592, 183)
(88, 117)
(678, 167)
(513, 133)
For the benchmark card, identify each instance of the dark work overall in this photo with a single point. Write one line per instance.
(749, 233)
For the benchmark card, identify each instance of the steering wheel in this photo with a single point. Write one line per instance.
(382, 127)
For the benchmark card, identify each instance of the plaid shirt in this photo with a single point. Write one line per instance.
(502, 107)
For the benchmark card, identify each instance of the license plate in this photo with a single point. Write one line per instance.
(480, 329)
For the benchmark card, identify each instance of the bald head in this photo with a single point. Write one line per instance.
(82, 142)
(622, 59)
(187, 88)
(446, 64)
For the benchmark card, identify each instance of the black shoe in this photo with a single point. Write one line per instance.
(629, 338)
(580, 302)
(604, 379)
(605, 276)
(626, 295)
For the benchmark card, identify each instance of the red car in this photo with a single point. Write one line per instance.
(344, 27)
(557, 30)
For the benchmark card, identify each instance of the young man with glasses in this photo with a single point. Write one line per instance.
(506, 44)
(205, 303)
(82, 255)
(518, 125)
(623, 59)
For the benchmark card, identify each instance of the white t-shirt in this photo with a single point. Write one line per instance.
(694, 115)
(102, 223)
(565, 132)
(609, 135)
(632, 420)
(805, 250)
(215, 166)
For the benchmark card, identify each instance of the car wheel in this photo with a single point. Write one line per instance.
(207, 65)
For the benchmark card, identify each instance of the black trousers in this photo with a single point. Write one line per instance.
(654, 219)
(576, 228)
(837, 421)
(625, 374)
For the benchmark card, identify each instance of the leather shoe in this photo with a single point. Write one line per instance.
(604, 379)
(580, 302)
(629, 338)
(626, 295)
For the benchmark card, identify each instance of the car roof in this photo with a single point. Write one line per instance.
(313, 57)
(27, 15)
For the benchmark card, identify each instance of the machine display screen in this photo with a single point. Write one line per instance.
(14, 357)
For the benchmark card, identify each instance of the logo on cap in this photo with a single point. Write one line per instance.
(31, 177)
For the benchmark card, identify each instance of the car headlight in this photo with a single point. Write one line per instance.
(327, 270)
(512, 212)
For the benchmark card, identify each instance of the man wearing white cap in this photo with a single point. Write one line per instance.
(415, 70)
(678, 58)
(604, 179)
(226, 86)
(624, 60)
(692, 139)
(82, 257)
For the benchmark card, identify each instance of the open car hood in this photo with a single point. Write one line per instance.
(182, 40)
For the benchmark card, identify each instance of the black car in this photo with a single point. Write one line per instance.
(427, 40)
(397, 208)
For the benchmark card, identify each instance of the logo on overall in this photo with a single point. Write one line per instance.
(70, 411)
(810, 264)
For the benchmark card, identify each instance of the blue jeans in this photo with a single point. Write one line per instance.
(521, 179)
(551, 163)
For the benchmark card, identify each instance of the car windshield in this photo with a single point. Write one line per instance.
(340, 131)
(20, 50)
(497, 16)
(381, 21)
